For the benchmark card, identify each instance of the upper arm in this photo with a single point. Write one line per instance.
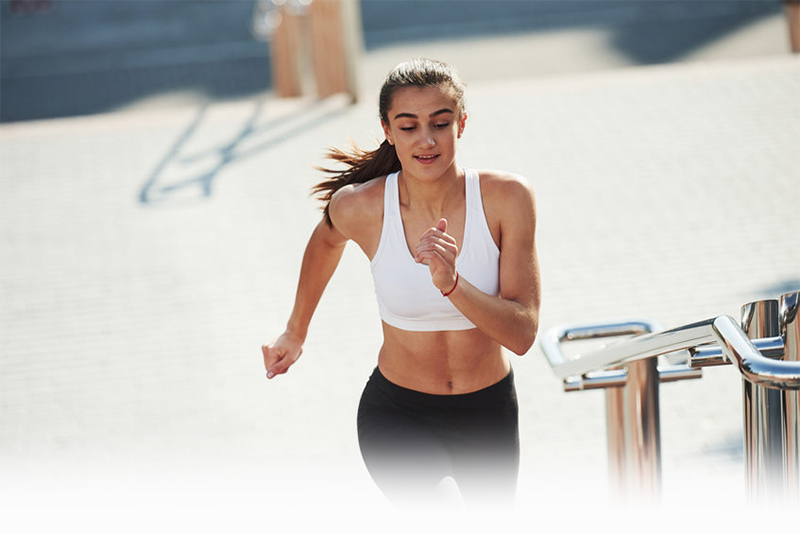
(513, 205)
(340, 212)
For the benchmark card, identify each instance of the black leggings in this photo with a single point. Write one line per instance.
(411, 440)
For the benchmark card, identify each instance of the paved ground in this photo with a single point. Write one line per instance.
(147, 255)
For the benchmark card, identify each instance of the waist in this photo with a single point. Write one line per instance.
(443, 363)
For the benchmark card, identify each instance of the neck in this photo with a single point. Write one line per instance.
(432, 196)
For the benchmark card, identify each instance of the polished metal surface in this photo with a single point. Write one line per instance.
(612, 378)
(636, 348)
(615, 439)
(740, 351)
(642, 430)
(551, 340)
(712, 355)
(617, 378)
(763, 432)
(628, 370)
(790, 332)
(737, 348)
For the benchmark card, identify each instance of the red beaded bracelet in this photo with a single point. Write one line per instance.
(454, 287)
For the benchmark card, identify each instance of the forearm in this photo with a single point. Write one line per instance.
(322, 255)
(320, 260)
(511, 323)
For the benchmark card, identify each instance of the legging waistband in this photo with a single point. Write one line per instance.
(410, 396)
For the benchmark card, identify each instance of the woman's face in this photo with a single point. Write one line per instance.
(424, 126)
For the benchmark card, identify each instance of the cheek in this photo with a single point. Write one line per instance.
(404, 150)
(450, 138)
(401, 143)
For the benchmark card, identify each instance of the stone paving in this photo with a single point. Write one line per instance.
(146, 256)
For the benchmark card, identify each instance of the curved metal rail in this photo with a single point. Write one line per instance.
(628, 370)
(733, 343)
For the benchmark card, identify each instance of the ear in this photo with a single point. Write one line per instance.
(387, 132)
(462, 122)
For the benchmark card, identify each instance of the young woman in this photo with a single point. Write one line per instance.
(455, 269)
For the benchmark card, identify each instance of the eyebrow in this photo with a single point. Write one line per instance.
(412, 116)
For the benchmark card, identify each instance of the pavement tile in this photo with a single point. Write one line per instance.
(130, 331)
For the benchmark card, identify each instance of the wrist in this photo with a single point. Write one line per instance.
(296, 332)
(455, 285)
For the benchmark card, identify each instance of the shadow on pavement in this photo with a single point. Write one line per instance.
(182, 173)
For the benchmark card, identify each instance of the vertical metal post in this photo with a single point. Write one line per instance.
(615, 425)
(643, 428)
(790, 332)
(763, 420)
(634, 433)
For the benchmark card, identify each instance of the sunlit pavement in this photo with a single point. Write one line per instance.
(147, 255)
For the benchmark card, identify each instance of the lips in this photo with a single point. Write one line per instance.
(426, 158)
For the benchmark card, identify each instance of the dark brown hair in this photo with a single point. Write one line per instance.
(364, 165)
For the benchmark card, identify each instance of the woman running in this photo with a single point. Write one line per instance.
(453, 259)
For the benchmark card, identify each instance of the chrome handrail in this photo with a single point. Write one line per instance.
(723, 330)
(628, 370)
(643, 346)
(758, 369)
(713, 355)
(619, 377)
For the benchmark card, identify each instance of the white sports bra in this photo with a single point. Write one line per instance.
(407, 298)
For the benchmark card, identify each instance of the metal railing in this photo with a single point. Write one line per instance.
(630, 370)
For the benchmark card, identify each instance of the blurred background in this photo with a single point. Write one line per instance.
(73, 57)
(156, 159)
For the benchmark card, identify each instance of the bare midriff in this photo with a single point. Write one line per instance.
(441, 363)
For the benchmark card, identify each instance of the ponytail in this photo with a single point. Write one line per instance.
(362, 166)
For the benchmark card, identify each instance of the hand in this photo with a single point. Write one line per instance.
(437, 249)
(281, 354)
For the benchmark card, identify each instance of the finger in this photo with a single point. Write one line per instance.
(440, 230)
(448, 250)
(282, 365)
(430, 233)
(435, 234)
(448, 254)
(278, 368)
(271, 355)
(435, 260)
(444, 240)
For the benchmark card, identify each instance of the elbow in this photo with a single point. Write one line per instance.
(524, 342)
(519, 352)
(522, 347)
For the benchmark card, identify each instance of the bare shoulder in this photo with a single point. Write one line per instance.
(506, 193)
(358, 206)
(361, 200)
